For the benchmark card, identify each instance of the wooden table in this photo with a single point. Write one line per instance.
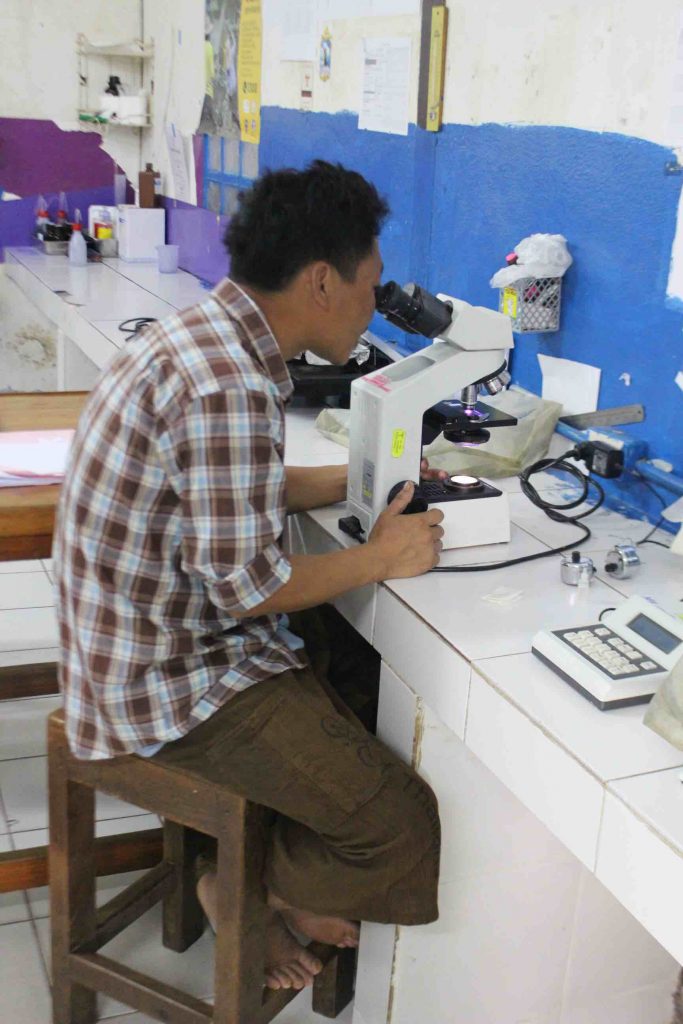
(26, 524)
(27, 514)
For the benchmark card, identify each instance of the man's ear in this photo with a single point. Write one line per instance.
(320, 283)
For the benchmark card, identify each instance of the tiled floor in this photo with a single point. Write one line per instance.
(25, 587)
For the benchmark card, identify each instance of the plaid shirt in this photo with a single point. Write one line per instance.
(170, 521)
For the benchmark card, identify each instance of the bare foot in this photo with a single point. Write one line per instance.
(336, 931)
(287, 964)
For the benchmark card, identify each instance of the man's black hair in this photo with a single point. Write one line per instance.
(289, 219)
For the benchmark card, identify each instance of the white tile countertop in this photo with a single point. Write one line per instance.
(568, 762)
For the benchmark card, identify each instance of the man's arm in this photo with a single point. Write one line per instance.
(314, 486)
(398, 546)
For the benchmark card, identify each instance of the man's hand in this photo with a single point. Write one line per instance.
(431, 474)
(407, 545)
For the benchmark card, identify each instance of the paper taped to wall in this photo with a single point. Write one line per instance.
(575, 385)
(386, 85)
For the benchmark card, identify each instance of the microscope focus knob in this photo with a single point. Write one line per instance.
(417, 504)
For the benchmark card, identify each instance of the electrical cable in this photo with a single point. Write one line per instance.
(552, 510)
(646, 538)
(138, 323)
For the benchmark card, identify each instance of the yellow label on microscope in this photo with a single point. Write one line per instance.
(398, 443)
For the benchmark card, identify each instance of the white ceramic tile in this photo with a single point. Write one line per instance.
(429, 666)
(47, 564)
(24, 790)
(25, 590)
(660, 576)
(13, 905)
(607, 527)
(357, 606)
(28, 628)
(652, 1005)
(458, 606)
(306, 446)
(643, 872)
(297, 1012)
(554, 786)
(656, 798)
(373, 973)
(611, 954)
(23, 726)
(397, 714)
(29, 656)
(480, 962)
(485, 829)
(611, 744)
(29, 565)
(25, 994)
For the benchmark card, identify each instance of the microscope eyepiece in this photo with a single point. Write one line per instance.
(413, 309)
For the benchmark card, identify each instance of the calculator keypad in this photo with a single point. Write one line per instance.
(608, 651)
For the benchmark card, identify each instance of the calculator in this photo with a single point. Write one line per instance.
(619, 661)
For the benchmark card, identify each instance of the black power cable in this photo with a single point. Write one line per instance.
(138, 322)
(554, 511)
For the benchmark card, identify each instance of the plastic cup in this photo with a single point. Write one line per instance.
(168, 258)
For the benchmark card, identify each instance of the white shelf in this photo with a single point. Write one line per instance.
(97, 124)
(134, 48)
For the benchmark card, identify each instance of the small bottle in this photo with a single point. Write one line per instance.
(42, 217)
(78, 250)
(146, 187)
(104, 227)
(62, 209)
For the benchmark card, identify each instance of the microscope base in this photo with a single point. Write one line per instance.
(472, 520)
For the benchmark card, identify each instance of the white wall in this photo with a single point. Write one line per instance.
(605, 65)
(39, 68)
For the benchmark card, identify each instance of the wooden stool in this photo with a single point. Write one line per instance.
(192, 809)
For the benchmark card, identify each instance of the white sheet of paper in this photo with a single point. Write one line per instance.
(575, 385)
(676, 101)
(332, 10)
(177, 155)
(32, 455)
(386, 85)
(299, 23)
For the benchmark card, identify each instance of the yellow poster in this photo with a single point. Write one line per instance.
(249, 71)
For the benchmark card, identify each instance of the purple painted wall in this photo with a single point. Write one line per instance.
(199, 233)
(37, 156)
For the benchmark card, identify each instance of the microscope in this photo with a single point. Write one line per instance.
(393, 414)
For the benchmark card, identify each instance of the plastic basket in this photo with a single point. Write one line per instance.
(533, 304)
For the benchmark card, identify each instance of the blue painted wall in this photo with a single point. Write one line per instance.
(463, 198)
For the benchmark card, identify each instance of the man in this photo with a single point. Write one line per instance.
(172, 579)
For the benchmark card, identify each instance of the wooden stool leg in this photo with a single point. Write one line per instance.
(333, 987)
(72, 882)
(240, 934)
(183, 917)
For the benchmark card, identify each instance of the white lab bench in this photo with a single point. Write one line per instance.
(562, 864)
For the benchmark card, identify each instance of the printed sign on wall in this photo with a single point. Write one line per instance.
(249, 71)
(220, 111)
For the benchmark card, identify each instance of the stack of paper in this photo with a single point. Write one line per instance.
(33, 456)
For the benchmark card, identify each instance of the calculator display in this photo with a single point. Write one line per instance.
(655, 634)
